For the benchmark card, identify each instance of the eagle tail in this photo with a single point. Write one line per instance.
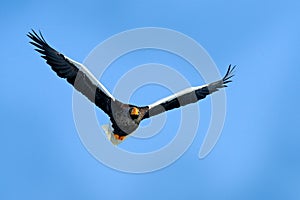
(110, 135)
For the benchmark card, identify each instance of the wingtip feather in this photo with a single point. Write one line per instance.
(229, 74)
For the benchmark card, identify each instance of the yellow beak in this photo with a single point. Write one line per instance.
(135, 111)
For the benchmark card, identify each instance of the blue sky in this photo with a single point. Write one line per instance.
(257, 156)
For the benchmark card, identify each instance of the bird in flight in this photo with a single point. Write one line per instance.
(125, 118)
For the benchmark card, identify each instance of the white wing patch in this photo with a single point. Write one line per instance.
(176, 95)
(82, 68)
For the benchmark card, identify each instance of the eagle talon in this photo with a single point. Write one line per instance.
(117, 137)
(122, 138)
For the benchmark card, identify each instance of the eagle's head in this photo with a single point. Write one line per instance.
(134, 113)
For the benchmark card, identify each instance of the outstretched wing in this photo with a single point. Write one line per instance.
(75, 73)
(188, 96)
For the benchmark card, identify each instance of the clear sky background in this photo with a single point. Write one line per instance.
(257, 156)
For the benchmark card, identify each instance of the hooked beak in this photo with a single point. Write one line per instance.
(135, 111)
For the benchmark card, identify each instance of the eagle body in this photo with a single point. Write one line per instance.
(122, 122)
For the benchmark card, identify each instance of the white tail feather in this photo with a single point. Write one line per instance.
(110, 135)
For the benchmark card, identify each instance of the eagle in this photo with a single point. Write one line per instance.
(125, 118)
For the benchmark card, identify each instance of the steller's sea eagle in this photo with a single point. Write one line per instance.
(125, 118)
